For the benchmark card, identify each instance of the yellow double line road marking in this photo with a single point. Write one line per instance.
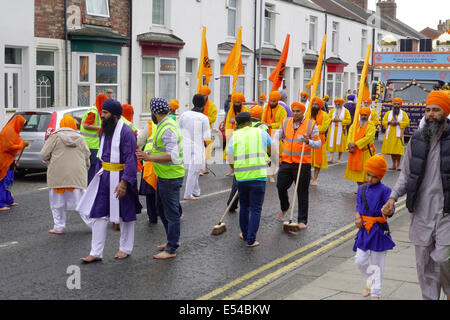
(276, 274)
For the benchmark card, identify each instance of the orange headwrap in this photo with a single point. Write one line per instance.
(377, 165)
(204, 90)
(275, 95)
(326, 97)
(339, 101)
(128, 111)
(68, 122)
(399, 100)
(256, 111)
(174, 105)
(369, 100)
(298, 105)
(238, 96)
(318, 101)
(101, 98)
(440, 98)
(11, 144)
(262, 96)
(304, 94)
(365, 110)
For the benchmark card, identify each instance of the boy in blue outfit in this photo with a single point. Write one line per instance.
(372, 240)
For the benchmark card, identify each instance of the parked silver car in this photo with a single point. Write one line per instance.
(40, 124)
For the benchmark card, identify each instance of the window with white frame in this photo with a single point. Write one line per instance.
(307, 75)
(335, 38)
(335, 83)
(159, 79)
(269, 24)
(96, 74)
(232, 17)
(97, 8)
(226, 85)
(158, 12)
(363, 43)
(266, 84)
(312, 33)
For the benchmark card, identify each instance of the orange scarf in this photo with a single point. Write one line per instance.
(232, 115)
(271, 119)
(370, 221)
(149, 174)
(11, 144)
(206, 111)
(318, 152)
(355, 160)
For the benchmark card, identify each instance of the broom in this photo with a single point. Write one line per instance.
(221, 227)
(290, 226)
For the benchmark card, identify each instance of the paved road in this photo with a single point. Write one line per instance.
(34, 263)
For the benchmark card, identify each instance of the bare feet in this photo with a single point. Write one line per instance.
(254, 244)
(121, 255)
(375, 298)
(164, 255)
(193, 198)
(161, 247)
(5, 209)
(272, 179)
(339, 161)
(281, 215)
(241, 236)
(314, 183)
(302, 226)
(392, 168)
(13, 204)
(366, 291)
(90, 259)
(52, 231)
(116, 226)
(331, 160)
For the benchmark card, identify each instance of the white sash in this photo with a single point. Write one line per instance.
(88, 199)
(339, 132)
(398, 130)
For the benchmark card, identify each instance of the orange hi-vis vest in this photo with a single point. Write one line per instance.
(292, 145)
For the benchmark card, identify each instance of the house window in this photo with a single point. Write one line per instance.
(269, 24)
(335, 83)
(312, 32)
(96, 74)
(159, 79)
(307, 75)
(97, 8)
(335, 38)
(45, 79)
(226, 85)
(158, 12)
(363, 43)
(266, 84)
(232, 17)
(13, 56)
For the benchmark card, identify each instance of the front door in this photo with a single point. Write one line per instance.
(45, 89)
(13, 87)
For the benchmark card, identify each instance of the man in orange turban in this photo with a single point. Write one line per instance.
(374, 115)
(304, 99)
(256, 112)
(423, 179)
(337, 132)
(128, 112)
(319, 156)
(262, 100)
(11, 145)
(210, 111)
(395, 122)
(67, 155)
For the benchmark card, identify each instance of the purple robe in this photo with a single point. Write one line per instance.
(129, 204)
(285, 106)
(351, 107)
(376, 195)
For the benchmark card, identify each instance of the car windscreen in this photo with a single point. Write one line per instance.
(36, 122)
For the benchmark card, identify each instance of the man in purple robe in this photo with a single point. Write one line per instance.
(120, 145)
(351, 105)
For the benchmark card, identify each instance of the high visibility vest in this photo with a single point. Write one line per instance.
(168, 170)
(129, 123)
(260, 125)
(151, 135)
(91, 136)
(292, 143)
(249, 155)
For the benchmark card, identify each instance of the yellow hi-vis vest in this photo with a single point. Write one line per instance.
(168, 170)
(91, 136)
(249, 155)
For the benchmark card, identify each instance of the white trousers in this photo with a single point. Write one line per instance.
(372, 271)
(193, 173)
(99, 226)
(60, 203)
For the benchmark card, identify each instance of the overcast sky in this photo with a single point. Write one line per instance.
(420, 14)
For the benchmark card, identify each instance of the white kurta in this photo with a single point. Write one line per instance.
(194, 130)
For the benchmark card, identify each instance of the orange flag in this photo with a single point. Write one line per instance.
(317, 74)
(204, 67)
(278, 74)
(233, 65)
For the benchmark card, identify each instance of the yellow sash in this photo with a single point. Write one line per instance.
(113, 166)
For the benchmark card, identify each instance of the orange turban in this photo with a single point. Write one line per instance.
(299, 106)
(238, 96)
(204, 90)
(326, 97)
(68, 122)
(174, 104)
(127, 112)
(399, 100)
(275, 95)
(339, 101)
(10, 143)
(365, 110)
(377, 165)
(262, 96)
(369, 100)
(256, 112)
(318, 101)
(440, 98)
(101, 98)
(304, 94)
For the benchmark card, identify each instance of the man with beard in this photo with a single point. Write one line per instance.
(113, 190)
(395, 122)
(361, 149)
(425, 181)
(236, 107)
(167, 158)
(283, 102)
(304, 99)
(337, 133)
(319, 156)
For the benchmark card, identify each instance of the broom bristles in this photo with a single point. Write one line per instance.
(291, 227)
(219, 229)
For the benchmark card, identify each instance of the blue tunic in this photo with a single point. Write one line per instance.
(376, 195)
(351, 107)
(5, 186)
(129, 204)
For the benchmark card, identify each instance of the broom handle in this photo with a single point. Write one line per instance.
(228, 208)
(296, 184)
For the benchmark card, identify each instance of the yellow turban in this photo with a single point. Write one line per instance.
(262, 96)
(173, 105)
(304, 94)
(377, 165)
(204, 90)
